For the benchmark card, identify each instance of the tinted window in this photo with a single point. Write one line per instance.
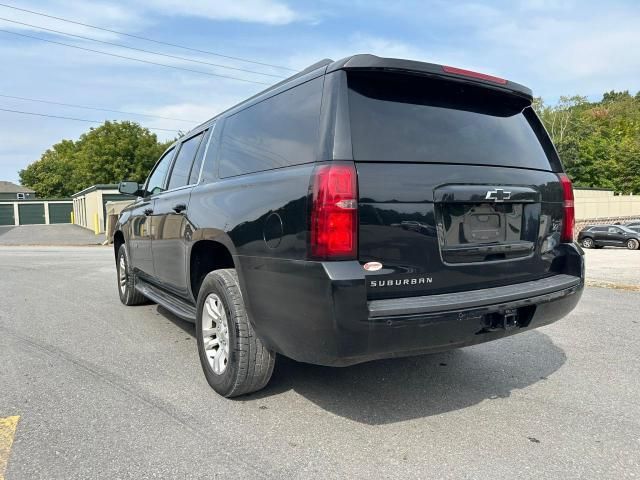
(210, 161)
(599, 229)
(197, 164)
(407, 118)
(277, 132)
(155, 183)
(182, 166)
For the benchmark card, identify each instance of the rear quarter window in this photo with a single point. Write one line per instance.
(277, 132)
(408, 118)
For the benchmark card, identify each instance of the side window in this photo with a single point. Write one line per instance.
(155, 182)
(277, 132)
(614, 230)
(182, 166)
(197, 164)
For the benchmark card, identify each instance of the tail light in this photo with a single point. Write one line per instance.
(334, 212)
(569, 220)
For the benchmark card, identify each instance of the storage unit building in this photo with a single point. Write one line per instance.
(37, 211)
(89, 205)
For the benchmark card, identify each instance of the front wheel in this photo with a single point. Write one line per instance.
(233, 358)
(587, 242)
(633, 244)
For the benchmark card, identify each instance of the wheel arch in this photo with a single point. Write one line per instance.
(118, 240)
(206, 256)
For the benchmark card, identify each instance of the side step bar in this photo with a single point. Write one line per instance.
(178, 307)
(475, 298)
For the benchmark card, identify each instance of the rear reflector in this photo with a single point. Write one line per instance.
(471, 74)
(569, 220)
(334, 212)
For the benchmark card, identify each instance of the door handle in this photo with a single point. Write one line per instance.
(148, 211)
(179, 208)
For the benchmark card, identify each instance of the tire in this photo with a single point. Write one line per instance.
(233, 358)
(633, 244)
(588, 242)
(127, 280)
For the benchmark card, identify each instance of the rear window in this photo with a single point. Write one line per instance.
(408, 118)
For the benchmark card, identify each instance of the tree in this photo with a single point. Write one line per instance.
(613, 96)
(52, 175)
(598, 142)
(109, 153)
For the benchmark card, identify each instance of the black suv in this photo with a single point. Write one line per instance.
(598, 236)
(364, 208)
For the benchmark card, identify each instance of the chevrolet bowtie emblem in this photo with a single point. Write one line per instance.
(499, 195)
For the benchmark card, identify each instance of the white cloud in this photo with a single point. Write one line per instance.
(554, 50)
(271, 12)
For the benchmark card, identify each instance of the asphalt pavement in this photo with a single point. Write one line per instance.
(108, 391)
(62, 234)
(614, 266)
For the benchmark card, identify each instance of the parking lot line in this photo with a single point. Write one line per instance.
(8, 427)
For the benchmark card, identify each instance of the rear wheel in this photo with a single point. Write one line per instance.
(633, 244)
(126, 280)
(233, 358)
(587, 242)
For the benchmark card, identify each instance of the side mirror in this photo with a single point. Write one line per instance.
(129, 188)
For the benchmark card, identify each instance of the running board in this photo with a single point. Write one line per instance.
(178, 307)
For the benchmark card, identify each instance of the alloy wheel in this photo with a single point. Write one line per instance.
(215, 333)
(122, 274)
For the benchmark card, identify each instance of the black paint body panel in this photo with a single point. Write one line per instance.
(318, 312)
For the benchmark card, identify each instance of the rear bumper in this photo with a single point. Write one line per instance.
(317, 312)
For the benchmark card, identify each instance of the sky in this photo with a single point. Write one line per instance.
(554, 47)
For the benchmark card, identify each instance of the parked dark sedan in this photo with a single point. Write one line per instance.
(598, 236)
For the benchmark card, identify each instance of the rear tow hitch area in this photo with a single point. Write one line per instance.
(504, 320)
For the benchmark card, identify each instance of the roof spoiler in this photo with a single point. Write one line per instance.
(372, 62)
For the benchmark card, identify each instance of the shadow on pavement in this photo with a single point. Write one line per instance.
(389, 391)
(395, 390)
(185, 326)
